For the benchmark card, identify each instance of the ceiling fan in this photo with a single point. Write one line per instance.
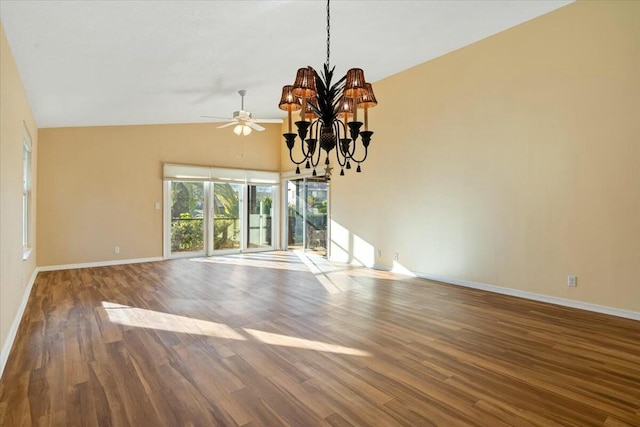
(243, 120)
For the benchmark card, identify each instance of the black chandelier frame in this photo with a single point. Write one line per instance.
(323, 102)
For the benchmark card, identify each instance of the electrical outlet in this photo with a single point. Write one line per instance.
(572, 281)
(379, 253)
(395, 256)
(116, 250)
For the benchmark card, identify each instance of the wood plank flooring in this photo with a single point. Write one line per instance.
(271, 339)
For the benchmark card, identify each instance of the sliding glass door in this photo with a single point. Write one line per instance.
(212, 218)
(187, 218)
(259, 216)
(307, 213)
(227, 220)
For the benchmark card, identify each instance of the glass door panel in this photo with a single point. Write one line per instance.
(295, 214)
(259, 207)
(307, 201)
(187, 219)
(226, 216)
(316, 215)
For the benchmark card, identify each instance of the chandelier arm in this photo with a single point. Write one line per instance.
(342, 127)
(313, 133)
(316, 162)
(336, 130)
(293, 161)
(345, 155)
(308, 154)
(312, 141)
(315, 126)
(349, 151)
(348, 154)
(341, 161)
(366, 152)
(305, 153)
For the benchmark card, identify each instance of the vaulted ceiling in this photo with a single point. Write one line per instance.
(86, 63)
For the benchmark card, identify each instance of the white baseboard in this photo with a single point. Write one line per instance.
(98, 264)
(13, 330)
(381, 267)
(628, 314)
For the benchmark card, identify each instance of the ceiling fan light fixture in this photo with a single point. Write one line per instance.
(242, 121)
(241, 129)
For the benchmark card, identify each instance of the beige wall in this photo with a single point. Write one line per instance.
(285, 163)
(99, 185)
(512, 162)
(15, 117)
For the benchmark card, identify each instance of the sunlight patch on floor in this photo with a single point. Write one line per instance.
(143, 318)
(333, 276)
(288, 341)
(322, 277)
(334, 279)
(245, 261)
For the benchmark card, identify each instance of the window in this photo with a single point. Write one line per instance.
(26, 197)
(210, 210)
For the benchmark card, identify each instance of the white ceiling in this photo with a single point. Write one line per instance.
(86, 63)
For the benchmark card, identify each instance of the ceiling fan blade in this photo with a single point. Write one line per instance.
(269, 120)
(254, 126)
(228, 124)
(215, 119)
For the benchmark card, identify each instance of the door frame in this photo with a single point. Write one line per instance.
(305, 174)
(275, 224)
(166, 224)
(210, 195)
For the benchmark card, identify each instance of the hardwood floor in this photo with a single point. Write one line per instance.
(271, 339)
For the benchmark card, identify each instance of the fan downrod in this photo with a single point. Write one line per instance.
(242, 93)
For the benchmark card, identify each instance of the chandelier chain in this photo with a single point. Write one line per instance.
(328, 33)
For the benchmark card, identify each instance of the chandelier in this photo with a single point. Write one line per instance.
(328, 115)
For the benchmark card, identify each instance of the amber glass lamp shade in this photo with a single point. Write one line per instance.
(346, 105)
(368, 99)
(305, 84)
(354, 85)
(309, 114)
(288, 99)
